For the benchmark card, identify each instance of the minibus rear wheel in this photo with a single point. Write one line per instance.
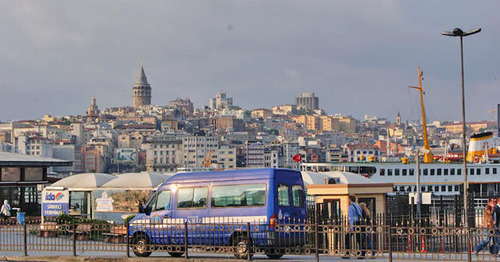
(241, 243)
(141, 245)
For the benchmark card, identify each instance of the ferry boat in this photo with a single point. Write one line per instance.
(439, 178)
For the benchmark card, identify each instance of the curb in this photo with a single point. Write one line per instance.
(105, 259)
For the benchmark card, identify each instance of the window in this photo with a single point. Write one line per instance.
(405, 172)
(433, 171)
(445, 171)
(459, 172)
(456, 189)
(443, 188)
(283, 196)
(389, 172)
(192, 197)
(33, 174)
(452, 171)
(478, 171)
(494, 171)
(161, 201)
(426, 172)
(298, 196)
(396, 172)
(412, 172)
(487, 171)
(436, 188)
(239, 195)
(450, 188)
(11, 174)
(382, 172)
(471, 171)
(439, 171)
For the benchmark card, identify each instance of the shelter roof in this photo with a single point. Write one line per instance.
(141, 180)
(21, 160)
(85, 181)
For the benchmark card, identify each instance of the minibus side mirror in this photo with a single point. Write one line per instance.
(141, 208)
(147, 210)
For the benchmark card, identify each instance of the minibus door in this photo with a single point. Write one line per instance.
(159, 213)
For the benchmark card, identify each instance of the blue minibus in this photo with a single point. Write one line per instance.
(261, 198)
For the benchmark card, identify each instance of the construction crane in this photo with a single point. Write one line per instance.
(492, 113)
(208, 159)
(427, 148)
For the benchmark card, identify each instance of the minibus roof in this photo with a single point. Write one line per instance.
(230, 175)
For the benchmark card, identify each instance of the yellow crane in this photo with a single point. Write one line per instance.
(427, 148)
(208, 159)
(492, 112)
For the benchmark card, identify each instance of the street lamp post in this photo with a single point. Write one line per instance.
(458, 32)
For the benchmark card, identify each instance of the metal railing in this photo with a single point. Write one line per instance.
(246, 239)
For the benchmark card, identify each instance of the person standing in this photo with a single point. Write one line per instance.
(488, 225)
(367, 217)
(354, 216)
(496, 216)
(5, 210)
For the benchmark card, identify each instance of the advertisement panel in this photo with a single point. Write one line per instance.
(126, 155)
(119, 201)
(55, 202)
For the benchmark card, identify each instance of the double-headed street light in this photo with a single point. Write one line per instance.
(458, 32)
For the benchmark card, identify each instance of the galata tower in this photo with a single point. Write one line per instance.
(142, 90)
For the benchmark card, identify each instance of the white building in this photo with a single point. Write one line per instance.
(226, 157)
(221, 101)
(254, 152)
(163, 153)
(196, 149)
(290, 149)
(271, 159)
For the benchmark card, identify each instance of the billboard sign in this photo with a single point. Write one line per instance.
(126, 155)
(55, 202)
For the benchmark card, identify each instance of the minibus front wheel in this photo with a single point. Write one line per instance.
(179, 252)
(241, 244)
(141, 245)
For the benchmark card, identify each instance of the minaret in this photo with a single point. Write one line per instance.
(141, 90)
(398, 119)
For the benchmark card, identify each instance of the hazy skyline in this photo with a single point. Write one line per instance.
(357, 56)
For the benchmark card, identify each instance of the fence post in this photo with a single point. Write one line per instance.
(390, 243)
(74, 239)
(128, 238)
(316, 240)
(469, 244)
(249, 242)
(25, 241)
(186, 255)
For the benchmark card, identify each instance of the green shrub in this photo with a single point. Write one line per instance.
(127, 220)
(65, 219)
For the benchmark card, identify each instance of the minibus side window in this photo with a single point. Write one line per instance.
(283, 197)
(162, 201)
(298, 196)
(193, 197)
(200, 197)
(239, 195)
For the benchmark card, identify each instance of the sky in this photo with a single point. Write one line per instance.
(357, 56)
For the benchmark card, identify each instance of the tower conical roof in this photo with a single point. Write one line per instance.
(142, 79)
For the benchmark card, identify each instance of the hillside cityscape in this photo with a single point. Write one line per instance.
(177, 136)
